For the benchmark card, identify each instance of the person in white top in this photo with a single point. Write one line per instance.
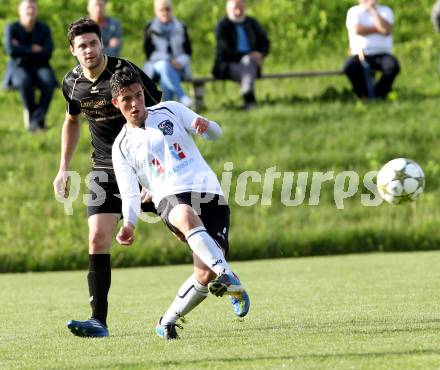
(155, 149)
(369, 28)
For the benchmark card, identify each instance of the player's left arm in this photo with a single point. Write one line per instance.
(196, 124)
(209, 130)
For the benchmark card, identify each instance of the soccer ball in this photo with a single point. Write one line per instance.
(400, 180)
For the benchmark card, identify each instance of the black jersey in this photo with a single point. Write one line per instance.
(94, 100)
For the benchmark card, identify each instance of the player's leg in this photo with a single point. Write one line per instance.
(184, 218)
(215, 216)
(101, 230)
(103, 209)
(192, 292)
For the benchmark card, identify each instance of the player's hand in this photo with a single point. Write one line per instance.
(61, 184)
(125, 235)
(200, 125)
(146, 196)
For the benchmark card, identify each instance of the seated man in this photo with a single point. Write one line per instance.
(242, 45)
(29, 44)
(155, 149)
(369, 31)
(111, 30)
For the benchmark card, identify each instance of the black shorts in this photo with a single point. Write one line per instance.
(214, 214)
(103, 194)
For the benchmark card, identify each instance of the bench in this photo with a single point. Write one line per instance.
(198, 83)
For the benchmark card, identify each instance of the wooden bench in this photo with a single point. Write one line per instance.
(198, 83)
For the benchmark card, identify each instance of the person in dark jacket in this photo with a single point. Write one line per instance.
(242, 45)
(29, 44)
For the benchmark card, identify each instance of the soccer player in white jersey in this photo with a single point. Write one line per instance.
(155, 148)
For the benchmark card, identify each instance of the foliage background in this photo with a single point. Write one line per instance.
(301, 125)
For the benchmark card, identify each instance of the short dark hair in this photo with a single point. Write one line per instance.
(82, 26)
(121, 79)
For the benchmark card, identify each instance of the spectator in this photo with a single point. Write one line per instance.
(369, 31)
(110, 27)
(435, 16)
(168, 50)
(242, 45)
(29, 44)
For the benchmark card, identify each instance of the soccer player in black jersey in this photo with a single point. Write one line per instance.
(87, 90)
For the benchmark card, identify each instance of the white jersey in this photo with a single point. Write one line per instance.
(162, 157)
(374, 43)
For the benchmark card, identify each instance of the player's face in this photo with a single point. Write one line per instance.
(88, 50)
(131, 102)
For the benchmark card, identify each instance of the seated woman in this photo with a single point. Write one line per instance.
(168, 50)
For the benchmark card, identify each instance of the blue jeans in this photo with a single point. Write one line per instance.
(25, 79)
(169, 80)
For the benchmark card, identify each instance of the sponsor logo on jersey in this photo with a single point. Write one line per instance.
(157, 167)
(177, 152)
(166, 127)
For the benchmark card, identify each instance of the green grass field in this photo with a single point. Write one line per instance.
(372, 311)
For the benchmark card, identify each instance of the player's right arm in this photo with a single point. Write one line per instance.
(69, 139)
(130, 195)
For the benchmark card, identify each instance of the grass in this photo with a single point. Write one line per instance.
(291, 130)
(375, 311)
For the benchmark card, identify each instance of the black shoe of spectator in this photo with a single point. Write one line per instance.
(249, 101)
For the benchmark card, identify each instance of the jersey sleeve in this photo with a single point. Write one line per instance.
(187, 117)
(72, 107)
(127, 184)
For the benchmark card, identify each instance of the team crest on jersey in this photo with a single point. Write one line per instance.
(166, 127)
(177, 152)
(157, 167)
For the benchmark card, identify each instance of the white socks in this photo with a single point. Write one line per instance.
(189, 296)
(207, 249)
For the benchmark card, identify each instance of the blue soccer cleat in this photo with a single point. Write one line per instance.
(225, 283)
(167, 331)
(88, 328)
(240, 303)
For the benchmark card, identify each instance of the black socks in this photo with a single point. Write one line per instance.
(99, 279)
